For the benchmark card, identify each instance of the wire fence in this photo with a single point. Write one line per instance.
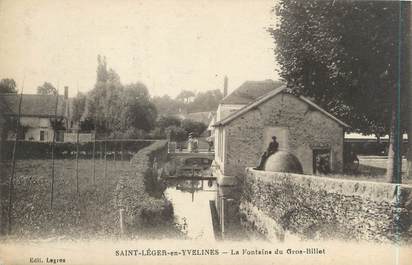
(67, 167)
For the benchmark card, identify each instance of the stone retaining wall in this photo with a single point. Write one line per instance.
(320, 207)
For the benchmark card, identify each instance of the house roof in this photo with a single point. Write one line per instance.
(249, 91)
(268, 96)
(33, 105)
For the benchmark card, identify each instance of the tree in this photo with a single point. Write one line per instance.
(195, 127)
(114, 109)
(137, 110)
(187, 101)
(79, 105)
(46, 89)
(87, 125)
(167, 105)
(175, 133)
(165, 121)
(8, 85)
(103, 103)
(344, 56)
(206, 101)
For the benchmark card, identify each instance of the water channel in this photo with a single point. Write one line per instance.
(204, 210)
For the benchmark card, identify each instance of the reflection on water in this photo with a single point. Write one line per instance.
(205, 210)
(190, 199)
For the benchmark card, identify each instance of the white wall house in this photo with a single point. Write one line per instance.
(37, 114)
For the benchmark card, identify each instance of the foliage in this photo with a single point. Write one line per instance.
(42, 150)
(8, 85)
(188, 102)
(11, 124)
(167, 105)
(165, 121)
(131, 133)
(138, 111)
(112, 108)
(206, 101)
(93, 215)
(152, 211)
(46, 89)
(87, 125)
(185, 96)
(340, 54)
(195, 127)
(175, 133)
(343, 53)
(78, 107)
(103, 101)
(57, 124)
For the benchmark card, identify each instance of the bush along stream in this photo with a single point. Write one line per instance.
(144, 212)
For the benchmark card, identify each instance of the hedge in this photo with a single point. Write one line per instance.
(42, 150)
(140, 194)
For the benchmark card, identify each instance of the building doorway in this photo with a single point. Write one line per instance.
(321, 161)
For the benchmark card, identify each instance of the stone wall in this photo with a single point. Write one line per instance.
(318, 207)
(300, 129)
(139, 196)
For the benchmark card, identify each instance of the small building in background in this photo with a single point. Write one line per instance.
(370, 145)
(249, 117)
(38, 112)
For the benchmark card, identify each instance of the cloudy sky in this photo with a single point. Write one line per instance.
(169, 45)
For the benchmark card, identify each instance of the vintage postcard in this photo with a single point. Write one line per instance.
(205, 132)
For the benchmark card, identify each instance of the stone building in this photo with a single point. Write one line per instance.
(249, 117)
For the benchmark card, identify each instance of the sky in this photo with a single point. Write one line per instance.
(169, 45)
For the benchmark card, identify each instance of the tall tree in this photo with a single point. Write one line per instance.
(46, 89)
(206, 101)
(167, 105)
(79, 105)
(8, 85)
(104, 100)
(345, 56)
(137, 110)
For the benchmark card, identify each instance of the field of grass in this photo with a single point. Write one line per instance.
(91, 213)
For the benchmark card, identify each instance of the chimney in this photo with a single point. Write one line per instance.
(67, 107)
(66, 92)
(225, 87)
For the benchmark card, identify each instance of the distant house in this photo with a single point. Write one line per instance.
(249, 117)
(37, 114)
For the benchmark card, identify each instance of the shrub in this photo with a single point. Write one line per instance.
(42, 150)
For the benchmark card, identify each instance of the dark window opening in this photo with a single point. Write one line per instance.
(321, 161)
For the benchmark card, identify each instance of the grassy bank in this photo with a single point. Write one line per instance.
(148, 213)
(89, 212)
(94, 211)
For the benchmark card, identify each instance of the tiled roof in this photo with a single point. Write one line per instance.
(33, 105)
(249, 91)
(267, 97)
